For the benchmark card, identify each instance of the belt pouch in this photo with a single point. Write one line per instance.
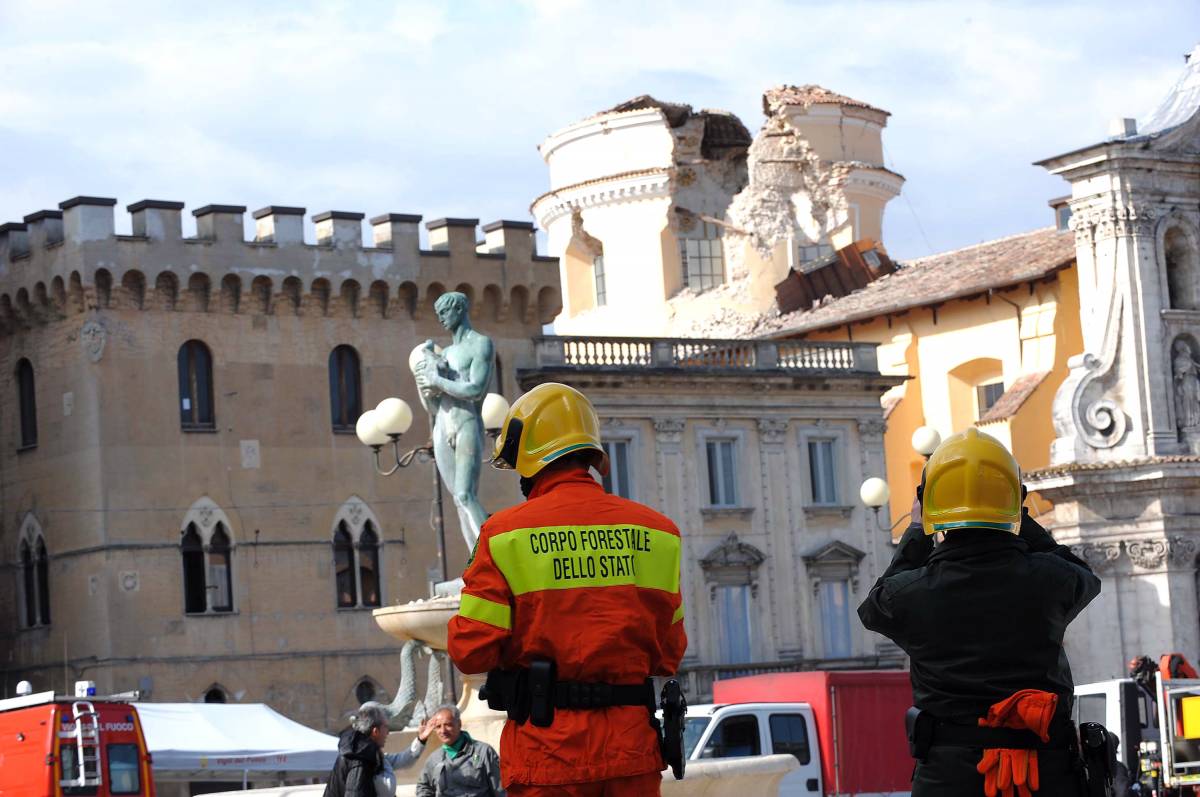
(918, 726)
(496, 689)
(541, 693)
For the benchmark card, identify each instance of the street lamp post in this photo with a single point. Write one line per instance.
(875, 493)
(390, 420)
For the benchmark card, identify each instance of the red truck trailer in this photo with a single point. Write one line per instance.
(859, 716)
(55, 746)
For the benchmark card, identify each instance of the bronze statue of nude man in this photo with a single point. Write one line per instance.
(452, 386)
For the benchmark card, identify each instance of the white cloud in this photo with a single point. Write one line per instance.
(436, 108)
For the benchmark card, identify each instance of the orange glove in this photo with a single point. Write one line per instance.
(1007, 770)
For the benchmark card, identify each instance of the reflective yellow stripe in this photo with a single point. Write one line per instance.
(564, 557)
(485, 611)
(678, 615)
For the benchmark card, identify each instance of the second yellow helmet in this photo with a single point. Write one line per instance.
(971, 481)
(548, 422)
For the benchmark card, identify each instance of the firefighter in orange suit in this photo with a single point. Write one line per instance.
(571, 602)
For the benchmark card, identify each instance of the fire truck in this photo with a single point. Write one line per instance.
(55, 746)
(1155, 712)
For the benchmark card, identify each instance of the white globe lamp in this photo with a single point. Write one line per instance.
(925, 440)
(494, 411)
(369, 434)
(874, 492)
(393, 417)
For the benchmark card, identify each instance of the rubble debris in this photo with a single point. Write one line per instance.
(779, 98)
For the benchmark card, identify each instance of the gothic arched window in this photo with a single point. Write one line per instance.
(356, 547)
(207, 570)
(41, 571)
(35, 575)
(195, 387)
(343, 566)
(27, 399)
(195, 599)
(368, 565)
(345, 388)
(220, 584)
(28, 584)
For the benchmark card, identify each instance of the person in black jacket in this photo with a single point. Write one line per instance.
(982, 617)
(360, 754)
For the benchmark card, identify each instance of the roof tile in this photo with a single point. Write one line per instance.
(938, 278)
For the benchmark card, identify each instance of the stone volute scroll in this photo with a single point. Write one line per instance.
(1086, 415)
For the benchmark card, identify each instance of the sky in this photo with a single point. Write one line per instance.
(437, 108)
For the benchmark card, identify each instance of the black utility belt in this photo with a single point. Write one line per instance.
(534, 693)
(926, 731)
(949, 734)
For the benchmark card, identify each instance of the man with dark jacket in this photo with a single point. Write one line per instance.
(982, 618)
(360, 754)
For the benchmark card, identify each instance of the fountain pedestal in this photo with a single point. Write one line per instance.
(426, 622)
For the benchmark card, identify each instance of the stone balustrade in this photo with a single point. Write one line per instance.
(592, 353)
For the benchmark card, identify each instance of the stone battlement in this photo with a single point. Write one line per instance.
(60, 262)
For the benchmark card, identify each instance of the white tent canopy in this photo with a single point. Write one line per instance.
(220, 741)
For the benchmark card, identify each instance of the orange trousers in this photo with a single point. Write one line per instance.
(635, 786)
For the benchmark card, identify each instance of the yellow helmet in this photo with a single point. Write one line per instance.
(544, 424)
(971, 481)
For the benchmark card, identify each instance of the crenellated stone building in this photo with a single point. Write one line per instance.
(184, 508)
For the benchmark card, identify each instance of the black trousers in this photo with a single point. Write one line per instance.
(949, 771)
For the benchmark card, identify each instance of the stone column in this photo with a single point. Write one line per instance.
(670, 464)
(782, 587)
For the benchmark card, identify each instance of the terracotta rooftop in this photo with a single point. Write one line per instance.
(958, 274)
(1016, 395)
(806, 95)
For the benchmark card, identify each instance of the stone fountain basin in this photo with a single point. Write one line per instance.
(424, 621)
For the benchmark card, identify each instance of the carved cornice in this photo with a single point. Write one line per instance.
(1143, 554)
(617, 189)
(1147, 554)
(772, 430)
(1183, 550)
(1098, 555)
(668, 430)
(1114, 221)
(872, 427)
